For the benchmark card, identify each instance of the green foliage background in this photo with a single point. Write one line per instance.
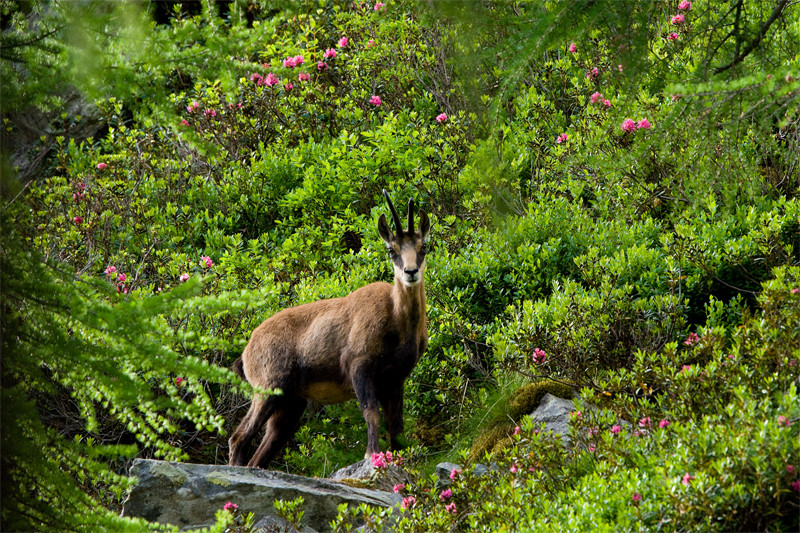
(553, 228)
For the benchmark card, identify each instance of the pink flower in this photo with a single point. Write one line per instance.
(577, 415)
(397, 488)
(514, 468)
(303, 76)
(178, 382)
(342, 42)
(288, 87)
(184, 277)
(677, 19)
(289, 62)
(370, 43)
(672, 36)
(451, 507)
(185, 122)
(230, 506)
(561, 138)
(454, 473)
(591, 448)
(298, 60)
(254, 77)
(446, 494)
(210, 113)
(573, 47)
(628, 125)
(663, 423)
(795, 290)
(441, 118)
(640, 433)
(783, 421)
(321, 65)
(539, 356)
(636, 497)
(517, 430)
(101, 166)
(78, 220)
(409, 502)
(271, 79)
(595, 97)
(110, 270)
(796, 485)
(121, 278)
(375, 100)
(644, 422)
(593, 72)
(329, 53)
(790, 469)
(191, 108)
(687, 477)
(378, 460)
(686, 368)
(607, 103)
(593, 431)
(615, 429)
(205, 260)
(619, 67)
(643, 124)
(685, 6)
(378, 6)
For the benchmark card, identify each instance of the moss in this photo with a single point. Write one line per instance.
(523, 401)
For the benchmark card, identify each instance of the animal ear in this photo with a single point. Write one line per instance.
(424, 225)
(384, 231)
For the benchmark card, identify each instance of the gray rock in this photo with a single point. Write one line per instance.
(274, 524)
(189, 495)
(363, 471)
(443, 471)
(554, 412)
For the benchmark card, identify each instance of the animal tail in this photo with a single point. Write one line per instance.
(238, 368)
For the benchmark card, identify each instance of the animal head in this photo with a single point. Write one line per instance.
(407, 247)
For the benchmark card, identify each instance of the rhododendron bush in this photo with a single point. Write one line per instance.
(614, 197)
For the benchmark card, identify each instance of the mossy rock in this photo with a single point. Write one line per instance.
(523, 402)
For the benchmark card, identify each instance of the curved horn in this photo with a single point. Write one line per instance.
(396, 218)
(411, 216)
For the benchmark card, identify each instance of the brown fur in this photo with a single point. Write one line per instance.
(362, 346)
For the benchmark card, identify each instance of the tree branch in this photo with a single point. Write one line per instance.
(737, 58)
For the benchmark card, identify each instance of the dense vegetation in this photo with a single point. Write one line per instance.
(613, 190)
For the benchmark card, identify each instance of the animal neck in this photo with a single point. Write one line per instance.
(409, 303)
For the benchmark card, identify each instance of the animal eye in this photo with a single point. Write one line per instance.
(424, 249)
(391, 252)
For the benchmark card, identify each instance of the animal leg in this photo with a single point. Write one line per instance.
(240, 444)
(367, 399)
(392, 404)
(280, 428)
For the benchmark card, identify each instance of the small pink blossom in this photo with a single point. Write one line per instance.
(573, 47)
(370, 43)
(795, 290)
(409, 502)
(256, 78)
(576, 415)
(644, 422)
(288, 87)
(454, 473)
(686, 368)
(677, 19)
(304, 76)
(321, 65)
(441, 118)
(628, 125)
(184, 277)
(615, 429)
(619, 67)
(194, 106)
(643, 124)
(561, 138)
(790, 469)
(110, 269)
(451, 508)
(205, 260)
(378, 6)
(397, 488)
(121, 278)
(640, 433)
(298, 60)
(271, 79)
(178, 381)
(591, 448)
(289, 62)
(517, 430)
(101, 166)
(607, 103)
(663, 423)
(684, 5)
(514, 468)
(378, 460)
(783, 421)
(796, 485)
(185, 123)
(342, 42)
(446, 494)
(596, 96)
(636, 497)
(210, 113)
(78, 220)
(687, 478)
(593, 72)
(329, 53)
(375, 100)
(230, 506)
(672, 36)
(539, 356)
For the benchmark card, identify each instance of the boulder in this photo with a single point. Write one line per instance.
(554, 412)
(188, 495)
(363, 473)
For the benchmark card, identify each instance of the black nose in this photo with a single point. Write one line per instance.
(411, 272)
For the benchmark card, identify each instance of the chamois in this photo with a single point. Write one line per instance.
(363, 346)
